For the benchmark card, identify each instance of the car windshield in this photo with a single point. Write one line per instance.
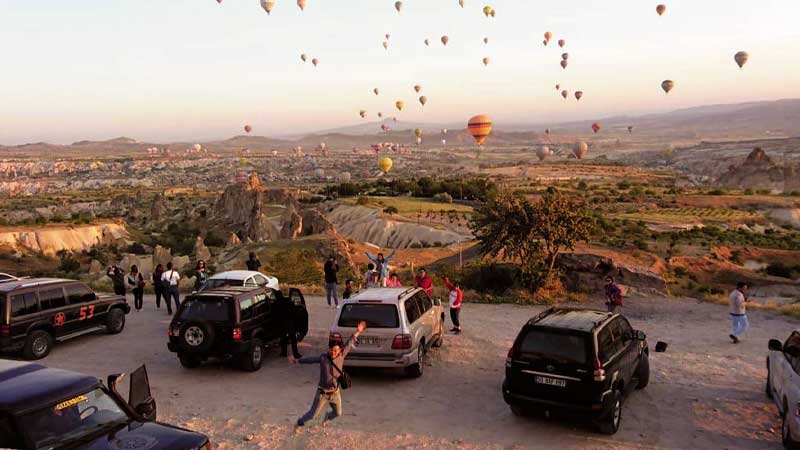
(2, 308)
(72, 419)
(376, 315)
(205, 308)
(221, 282)
(559, 347)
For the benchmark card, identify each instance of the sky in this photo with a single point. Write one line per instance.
(162, 70)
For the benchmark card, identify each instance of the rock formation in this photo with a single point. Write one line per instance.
(292, 227)
(201, 252)
(757, 171)
(158, 207)
(587, 272)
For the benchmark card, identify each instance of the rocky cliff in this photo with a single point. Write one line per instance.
(757, 171)
(49, 240)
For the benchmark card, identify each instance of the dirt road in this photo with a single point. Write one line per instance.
(705, 393)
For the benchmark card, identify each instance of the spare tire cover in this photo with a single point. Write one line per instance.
(196, 336)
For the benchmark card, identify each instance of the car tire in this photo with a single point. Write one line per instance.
(416, 370)
(643, 374)
(786, 434)
(252, 359)
(189, 361)
(768, 384)
(300, 322)
(440, 339)
(196, 336)
(610, 421)
(115, 321)
(518, 411)
(37, 345)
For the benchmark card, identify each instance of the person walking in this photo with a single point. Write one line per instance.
(284, 309)
(349, 289)
(371, 277)
(171, 280)
(613, 295)
(200, 275)
(135, 281)
(331, 365)
(331, 281)
(381, 265)
(158, 286)
(253, 263)
(456, 298)
(738, 311)
(422, 280)
(117, 279)
(393, 281)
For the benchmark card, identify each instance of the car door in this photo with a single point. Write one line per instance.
(428, 315)
(300, 312)
(630, 349)
(54, 304)
(139, 397)
(414, 318)
(786, 376)
(81, 311)
(610, 353)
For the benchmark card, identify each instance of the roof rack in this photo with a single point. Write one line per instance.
(402, 294)
(41, 282)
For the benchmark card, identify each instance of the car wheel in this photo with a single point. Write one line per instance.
(768, 387)
(115, 322)
(251, 361)
(37, 345)
(415, 370)
(609, 423)
(189, 361)
(643, 372)
(440, 340)
(196, 336)
(786, 432)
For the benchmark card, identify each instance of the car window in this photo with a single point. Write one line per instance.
(412, 309)
(375, 315)
(792, 345)
(52, 298)
(424, 301)
(605, 344)
(78, 293)
(2, 310)
(205, 308)
(246, 307)
(219, 282)
(249, 282)
(260, 280)
(625, 329)
(24, 304)
(554, 346)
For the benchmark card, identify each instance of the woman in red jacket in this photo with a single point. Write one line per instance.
(456, 297)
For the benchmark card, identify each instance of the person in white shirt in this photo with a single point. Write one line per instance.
(171, 281)
(738, 312)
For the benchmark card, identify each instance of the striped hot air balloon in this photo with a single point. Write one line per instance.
(480, 127)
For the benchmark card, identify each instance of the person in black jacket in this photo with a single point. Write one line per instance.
(117, 279)
(284, 309)
(253, 263)
(331, 281)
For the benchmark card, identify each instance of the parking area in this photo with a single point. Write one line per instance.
(704, 393)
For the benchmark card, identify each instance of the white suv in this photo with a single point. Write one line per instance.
(402, 324)
(783, 385)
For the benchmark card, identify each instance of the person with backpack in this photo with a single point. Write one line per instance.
(171, 280)
(135, 281)
(332, 379)
(158, 286)
(613, 295)
(456, 299)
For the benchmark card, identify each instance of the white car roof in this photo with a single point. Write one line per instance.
(388, 295)
(236, 275)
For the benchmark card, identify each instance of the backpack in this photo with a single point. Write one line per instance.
(344, 378)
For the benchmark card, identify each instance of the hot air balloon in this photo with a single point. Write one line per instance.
(485, 61)
(558, 87)
(387, 36)
(380, 114)
(565, 56)
(274, 153)
(315, 61)
(219, 1)
(399, 104)
(385, 164)
(444, 130)
(578, 95)
(417, 132)
(268, 5)
(486, 40)
(248, 129)
(427, 42)
(445, 40)
(580, 150)
(630, 129)
(480, 127)
(543, 152)
(461, 3)
(487, 11)
(660, 9)
(302, 4)
(545, 42)
(547, 36)
(398, 6)
(417, 88)
(423, 100)
(595, 127)
(564, 63)
(667, 85)
(741, 58)
(197, 147)
(362, 113)
(565, 93)
(444, 142)
(303, 57)
(419, 140)
(319, 173)
(384, 128)
(385, 45)
(323, 146)
(547, 131)
(562, 43)
(376, 91)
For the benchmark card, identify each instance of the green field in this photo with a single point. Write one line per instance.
(409, 205)
(685, 214)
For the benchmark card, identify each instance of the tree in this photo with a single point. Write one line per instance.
(532, 234)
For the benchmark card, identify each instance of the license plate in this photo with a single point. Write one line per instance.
(550, 381)
(369, 341)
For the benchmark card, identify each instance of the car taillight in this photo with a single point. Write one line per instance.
(5, 330)
(169, 331)
(599, 372)
(237, 334)
(335, 339)
(402, 342)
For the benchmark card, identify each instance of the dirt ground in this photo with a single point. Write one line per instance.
(705, 393)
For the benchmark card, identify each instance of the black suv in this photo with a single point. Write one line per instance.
(42, 408)
(579, 361)
(34, 313)
(232, 323)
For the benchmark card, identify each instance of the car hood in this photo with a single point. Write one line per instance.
(146, 436)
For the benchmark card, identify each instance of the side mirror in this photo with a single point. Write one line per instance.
(775, 345)
(640, 335)
(661, 347)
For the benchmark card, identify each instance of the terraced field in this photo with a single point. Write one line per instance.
(408, 205)
(692, 214)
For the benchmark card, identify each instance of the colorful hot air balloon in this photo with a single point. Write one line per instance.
(268, 5)
(423, 100)
(558, 87)
(248, 129)
(486, 40)
(595, 127)
(385, 45)
(302, 4)
(398, 6)
(564, 63)
(315, 61)
(197, 147)
(487, 10)
(578, 95)
(480, 127)
(376, 91)
(385, 164)
(417, 88)
(667, 85)
(303, 57)
(660, 9)
(547, 36)
(399, 104)
(543, 152)
(417, 132)
(362, 113)
(580, 150)
(741, 58)
(445, 40)
(461, 3)
(562, 43)
(565, 93)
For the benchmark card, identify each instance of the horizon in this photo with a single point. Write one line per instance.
(198, 70)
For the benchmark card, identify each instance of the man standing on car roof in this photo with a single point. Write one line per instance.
(284, 309)
(738, 311)
(331, 365)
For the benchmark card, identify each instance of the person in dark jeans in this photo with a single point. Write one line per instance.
(117, 279)
(613, 295)
(253, 263)
(284, 309)
(200, 275)
(456, 299)
(171, 280)
(331, 282)
(158, 286)
(136, 283)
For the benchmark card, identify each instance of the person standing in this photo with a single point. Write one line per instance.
(331, 365)
(371, 277)
(349, 289)
(613, 295)
(284, 309)
(158, 286)
(200, 275)
(425, 282)
(381, 265)
(117, 279)
(135, 281)
(253, 263)
(393, 281)
(171, 279)
(456, 298)
(331, 281)
(738, 311)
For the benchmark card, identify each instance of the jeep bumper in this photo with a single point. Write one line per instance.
(593, 410)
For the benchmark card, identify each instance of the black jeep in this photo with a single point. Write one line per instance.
(578, 361)
(232, 323)
(35, 313)
(42, 408)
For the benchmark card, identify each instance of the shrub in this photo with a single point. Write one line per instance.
(680, 271)
(783, 270)
(390, 210)
(443, 197)
(362, 200)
